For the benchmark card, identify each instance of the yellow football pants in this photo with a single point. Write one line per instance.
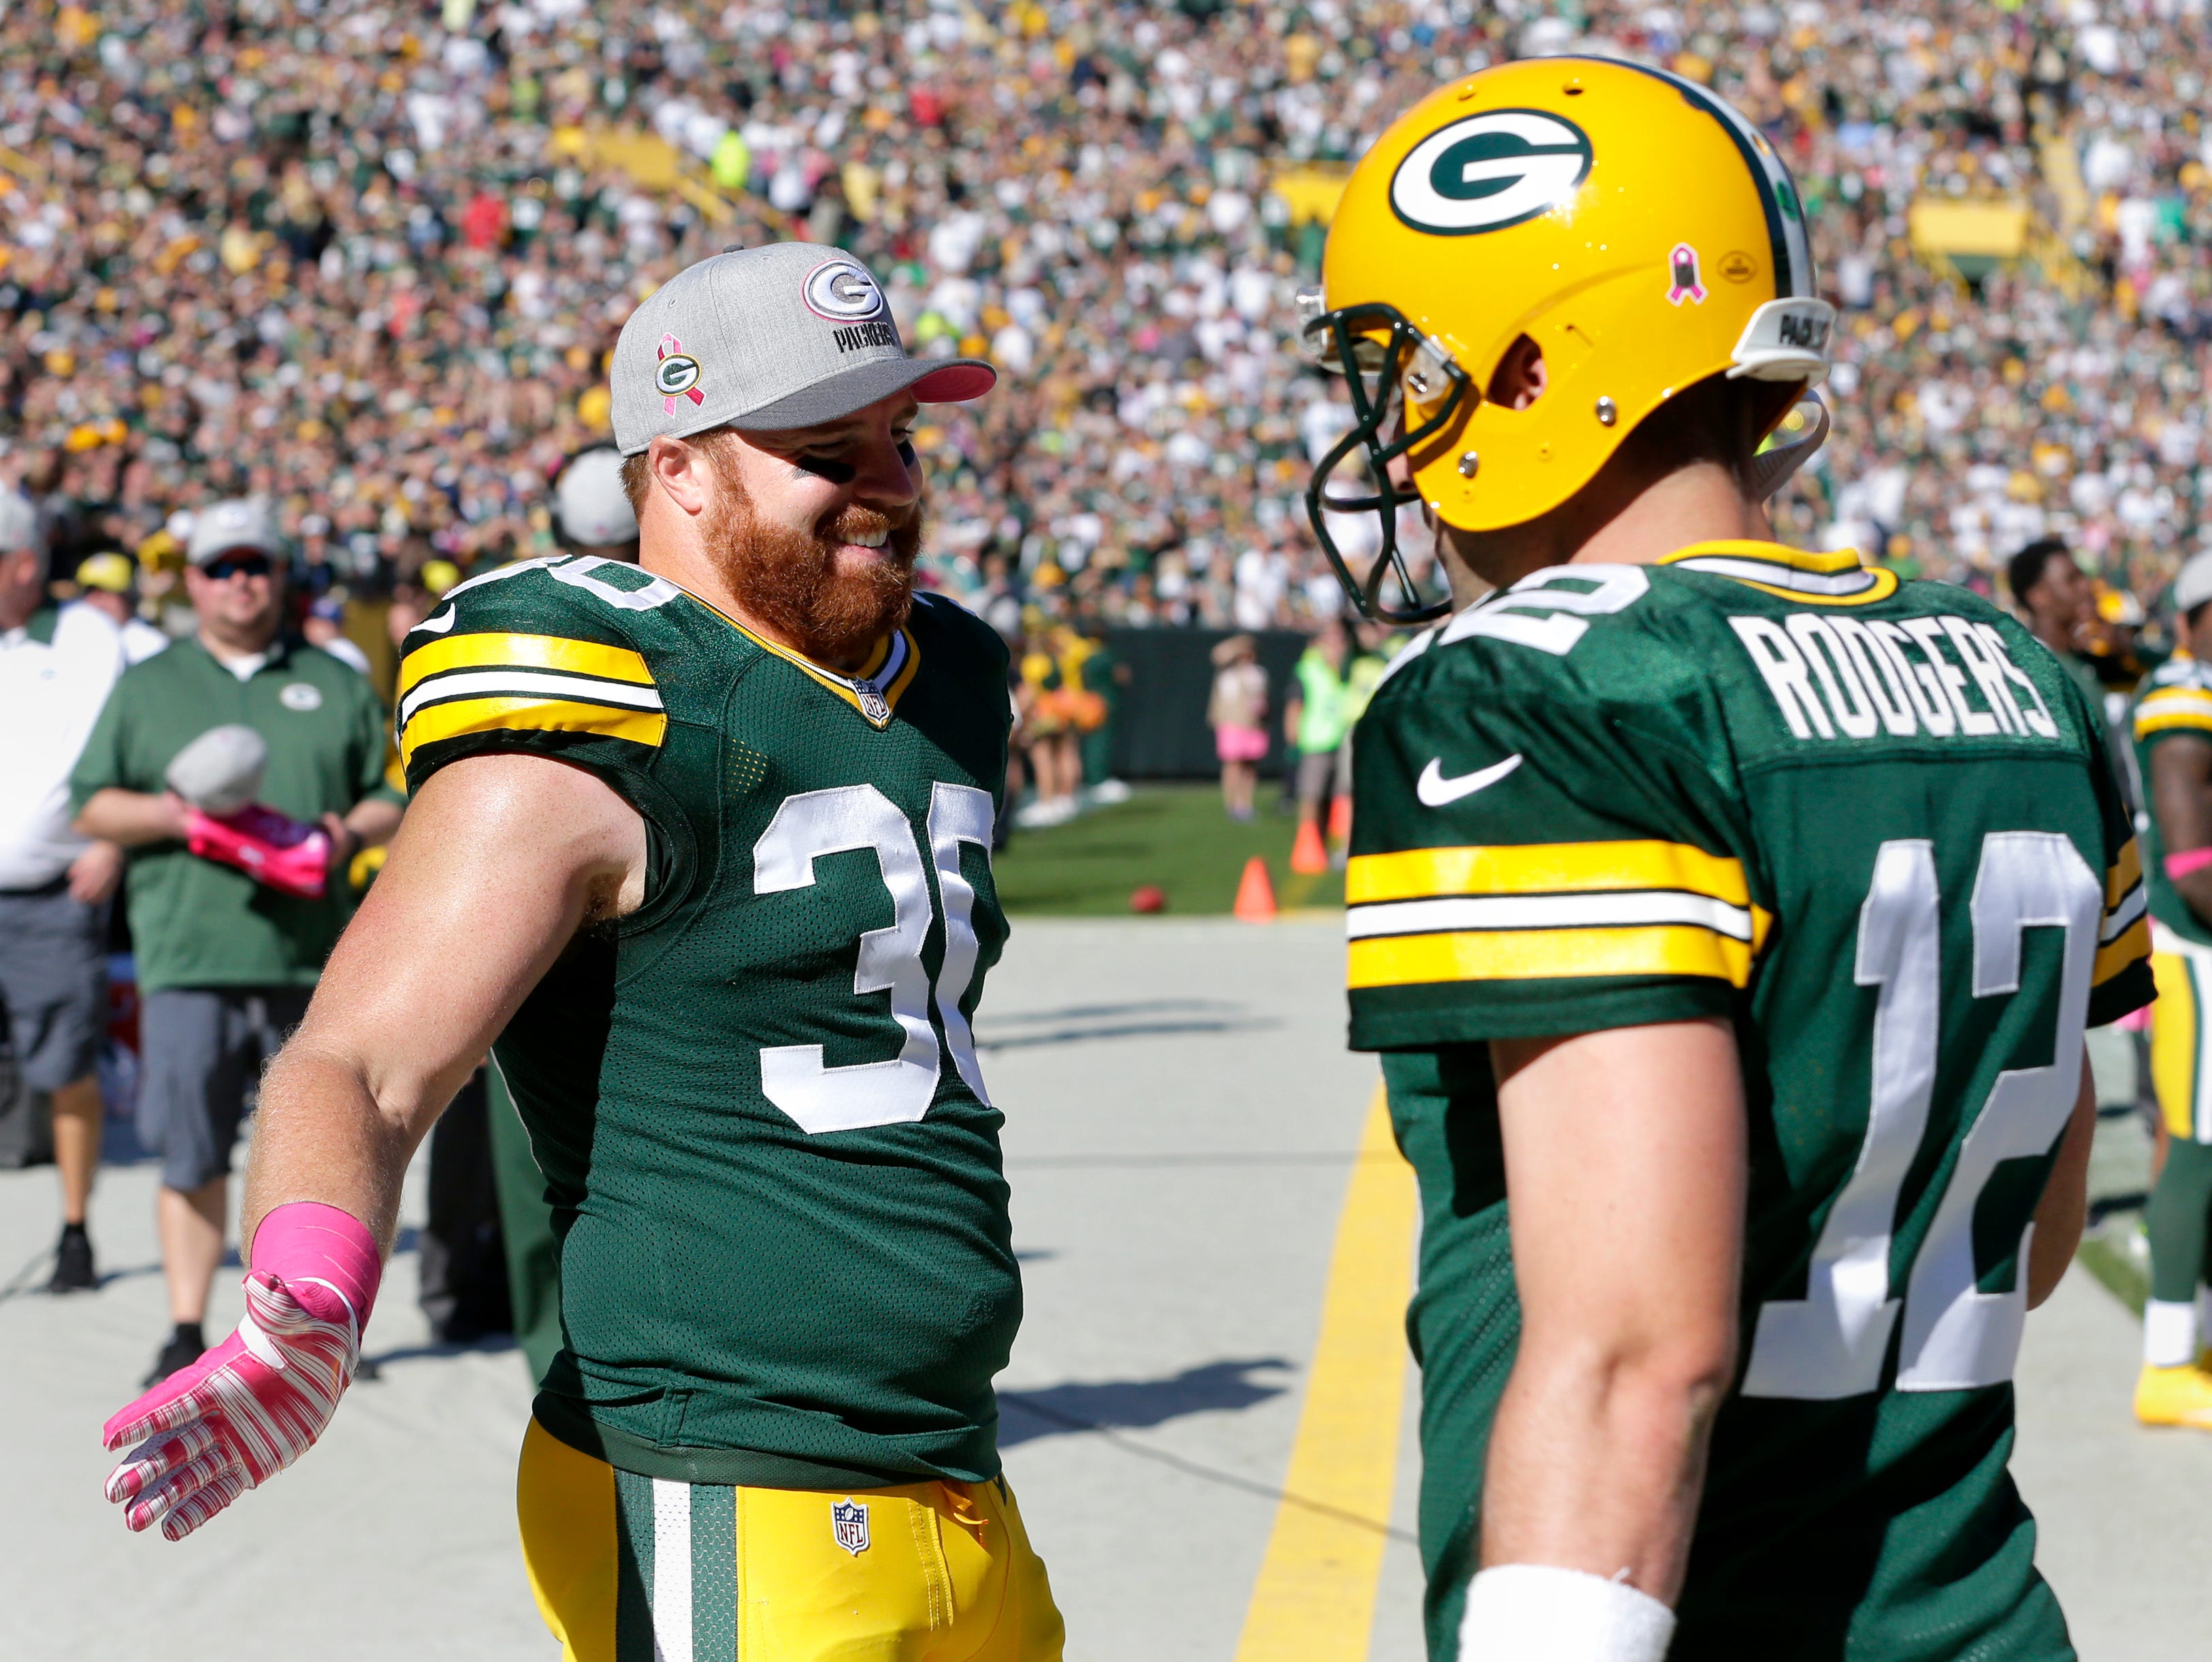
(2180, 1071)
(638, 1570)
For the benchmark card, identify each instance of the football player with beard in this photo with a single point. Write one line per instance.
(700, 848)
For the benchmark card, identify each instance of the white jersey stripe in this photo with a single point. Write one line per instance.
(1629, 909)
(672, 1570)
(525, 683)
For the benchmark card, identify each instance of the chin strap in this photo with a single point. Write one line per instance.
(1775, 466)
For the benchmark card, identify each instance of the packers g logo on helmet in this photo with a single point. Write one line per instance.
(1490, 171)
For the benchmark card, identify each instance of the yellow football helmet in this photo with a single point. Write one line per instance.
(1642, 233)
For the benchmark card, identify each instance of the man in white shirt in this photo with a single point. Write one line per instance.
(57, 666)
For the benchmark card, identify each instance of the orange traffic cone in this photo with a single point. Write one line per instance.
(1339, 820)
(1256, 895)
(1308, 854)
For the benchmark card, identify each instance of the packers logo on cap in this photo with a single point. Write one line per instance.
(1490, 171)
(842, 291)
(676, 374)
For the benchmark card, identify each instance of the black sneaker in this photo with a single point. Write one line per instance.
(73, 1269)
(186, 1347)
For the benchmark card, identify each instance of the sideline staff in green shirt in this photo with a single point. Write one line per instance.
(224, 963)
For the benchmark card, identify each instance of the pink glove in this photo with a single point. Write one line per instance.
(257, 1401)
(269, 846)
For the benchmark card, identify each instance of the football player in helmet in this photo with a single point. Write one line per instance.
(1728, 917)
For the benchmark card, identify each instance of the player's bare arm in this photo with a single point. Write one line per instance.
(501, 859)
(2181, 797)
(2064, 1208)
(505, 858)
(1625, 1155)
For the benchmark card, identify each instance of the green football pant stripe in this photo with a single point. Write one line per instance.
(634, 1556)
(2176, 1221)
(676, 1585)
(714, 1573)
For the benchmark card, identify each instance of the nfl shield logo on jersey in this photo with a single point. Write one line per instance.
(848, 1522)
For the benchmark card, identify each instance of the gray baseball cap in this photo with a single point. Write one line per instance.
(778, 337)
(2193, 586)
(19, 523)
(595, 509)
(243, 522)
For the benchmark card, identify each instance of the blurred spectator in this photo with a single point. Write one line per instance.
(1237, 713)
(593, 510)
(1317, 720)
(225, 964)
(324, 627)
(368, 262)
(57, 666)
(2057, 604)
(1058, 711)
(108, 582)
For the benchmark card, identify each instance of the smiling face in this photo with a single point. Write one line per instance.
(238, 599)
(816, 528)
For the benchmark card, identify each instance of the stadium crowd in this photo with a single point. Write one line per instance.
(367, 261)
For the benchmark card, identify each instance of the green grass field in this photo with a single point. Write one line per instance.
(1175, 835)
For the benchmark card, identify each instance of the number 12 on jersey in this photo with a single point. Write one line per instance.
(1831, 1344)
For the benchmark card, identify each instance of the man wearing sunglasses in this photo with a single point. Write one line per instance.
(225, 962)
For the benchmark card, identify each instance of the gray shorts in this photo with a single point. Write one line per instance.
(54, 979)
(202, 1050)
(1320, 770)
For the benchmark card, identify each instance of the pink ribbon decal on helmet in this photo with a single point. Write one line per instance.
(1682, 264)
(670, 346)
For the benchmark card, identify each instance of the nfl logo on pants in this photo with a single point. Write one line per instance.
(848, 1522)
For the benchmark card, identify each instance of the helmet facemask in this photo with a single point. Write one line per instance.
(1405, 390)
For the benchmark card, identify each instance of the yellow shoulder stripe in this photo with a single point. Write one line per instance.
(1834, 578)
(1881, 584)
(1829, 563)
(1535, 954)
(2128, 949)
(2174, 706)
(1543, 868)
(2126, 873)
(482, 715)
(540, 652)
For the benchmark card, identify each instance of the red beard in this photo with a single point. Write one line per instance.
(788, 580)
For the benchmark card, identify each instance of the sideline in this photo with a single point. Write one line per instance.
(1314, 1600)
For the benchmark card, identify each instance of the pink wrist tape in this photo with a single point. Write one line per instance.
(327, 1257)
(2179, 866)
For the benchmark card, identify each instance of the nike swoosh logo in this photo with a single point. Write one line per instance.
(435, 625)
(1435, 790)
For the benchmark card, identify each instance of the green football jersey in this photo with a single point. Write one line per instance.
(774, 1169)
(2176, 699)
(1871, 824)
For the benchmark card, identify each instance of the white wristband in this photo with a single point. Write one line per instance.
(1541, 1613)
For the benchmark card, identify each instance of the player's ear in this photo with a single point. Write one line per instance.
(683, 472)
(1520, 377)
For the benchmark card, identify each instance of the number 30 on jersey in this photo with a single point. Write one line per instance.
(820, 1098)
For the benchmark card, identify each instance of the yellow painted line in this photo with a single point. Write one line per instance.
(1315, 1598)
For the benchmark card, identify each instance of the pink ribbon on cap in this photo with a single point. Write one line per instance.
(669, 346)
